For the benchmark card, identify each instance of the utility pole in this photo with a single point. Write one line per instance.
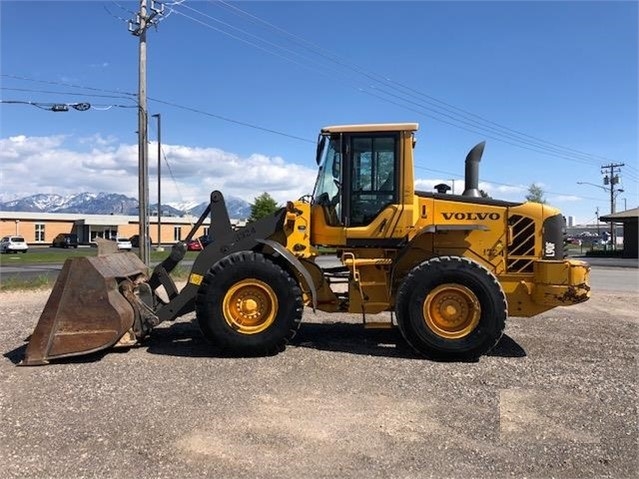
(138, 27)
(159, 248)
(612, 179)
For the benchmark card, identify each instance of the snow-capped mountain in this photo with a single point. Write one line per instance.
(39, 202)
(182, 206)
(237, 208)
(113, 203)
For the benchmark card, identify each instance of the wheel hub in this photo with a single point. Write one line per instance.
(250, 306)
(451, 311)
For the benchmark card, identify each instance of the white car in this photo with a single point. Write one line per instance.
(13, 244)
(124, 244)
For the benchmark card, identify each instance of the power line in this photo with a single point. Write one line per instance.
(57, 92)
(473, 125)
(70, 85)
(64, 106)
(129, 95)
(375, 76)
(457, 175)
(268, 130)
(449, 110)
(372, 75)
(158, 100)
(230, 120)
(552, 150)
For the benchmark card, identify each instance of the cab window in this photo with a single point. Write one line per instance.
(374, 182)
(327, 191)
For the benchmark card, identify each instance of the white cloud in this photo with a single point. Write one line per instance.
(49, 165)
(565, 198)
(499, 192)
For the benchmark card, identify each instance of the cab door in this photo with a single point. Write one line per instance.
(356, 199)
(371, 197)
(372, 184)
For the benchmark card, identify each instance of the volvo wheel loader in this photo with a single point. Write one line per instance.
(450, 268)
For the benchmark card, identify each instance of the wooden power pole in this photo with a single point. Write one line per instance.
(138, 27)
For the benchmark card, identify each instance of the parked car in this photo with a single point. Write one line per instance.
(573, 240)
(13, 244)
(65, 240)
(198, 244)
(135, 241)
(124, 244)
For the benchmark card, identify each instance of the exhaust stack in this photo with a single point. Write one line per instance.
(471, 187)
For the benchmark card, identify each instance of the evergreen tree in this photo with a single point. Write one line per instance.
(264, 205)
(535, 194)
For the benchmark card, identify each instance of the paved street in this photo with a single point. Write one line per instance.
(610, 274)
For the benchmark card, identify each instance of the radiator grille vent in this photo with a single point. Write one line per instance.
(521, 255)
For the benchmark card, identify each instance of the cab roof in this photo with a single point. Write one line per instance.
(370, 127)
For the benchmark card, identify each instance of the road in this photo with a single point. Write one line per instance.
(606, 275)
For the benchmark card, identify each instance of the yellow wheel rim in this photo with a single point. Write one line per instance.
(451, 311)
(250, 306)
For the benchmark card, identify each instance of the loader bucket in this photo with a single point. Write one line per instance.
(86, 311)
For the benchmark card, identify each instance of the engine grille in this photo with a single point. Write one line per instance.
(521, 254)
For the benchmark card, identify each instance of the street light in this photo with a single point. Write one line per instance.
(55, 107)
(592, 184)
(159, 247)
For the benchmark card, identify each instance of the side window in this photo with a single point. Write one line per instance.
(373, 177)
(328, 188)
(177, 233)
(39, 231)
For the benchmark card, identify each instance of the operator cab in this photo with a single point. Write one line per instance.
(360, 173)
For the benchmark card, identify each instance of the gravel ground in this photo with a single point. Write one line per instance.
(556, 398)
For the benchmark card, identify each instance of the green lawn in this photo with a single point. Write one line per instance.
(46, 256)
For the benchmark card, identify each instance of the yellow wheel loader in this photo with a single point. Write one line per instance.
(450, 268)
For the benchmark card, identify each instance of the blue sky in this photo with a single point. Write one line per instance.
(551, 87)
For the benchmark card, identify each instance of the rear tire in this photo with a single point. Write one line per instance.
(451, 308)
(248, 305)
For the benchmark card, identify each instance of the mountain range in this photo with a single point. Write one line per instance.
(113, 203)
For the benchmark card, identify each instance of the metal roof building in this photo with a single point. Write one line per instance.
(40, 228)
(629, 219)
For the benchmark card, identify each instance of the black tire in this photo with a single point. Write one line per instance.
(247, 305)
(451, 308)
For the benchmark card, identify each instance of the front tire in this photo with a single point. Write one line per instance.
(451, 308)
(248, 305)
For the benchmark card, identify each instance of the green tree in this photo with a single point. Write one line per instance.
(264, 205)
(535, 194)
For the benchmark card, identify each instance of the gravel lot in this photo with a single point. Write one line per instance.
(556, 398)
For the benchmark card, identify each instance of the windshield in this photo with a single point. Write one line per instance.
(328, 183)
